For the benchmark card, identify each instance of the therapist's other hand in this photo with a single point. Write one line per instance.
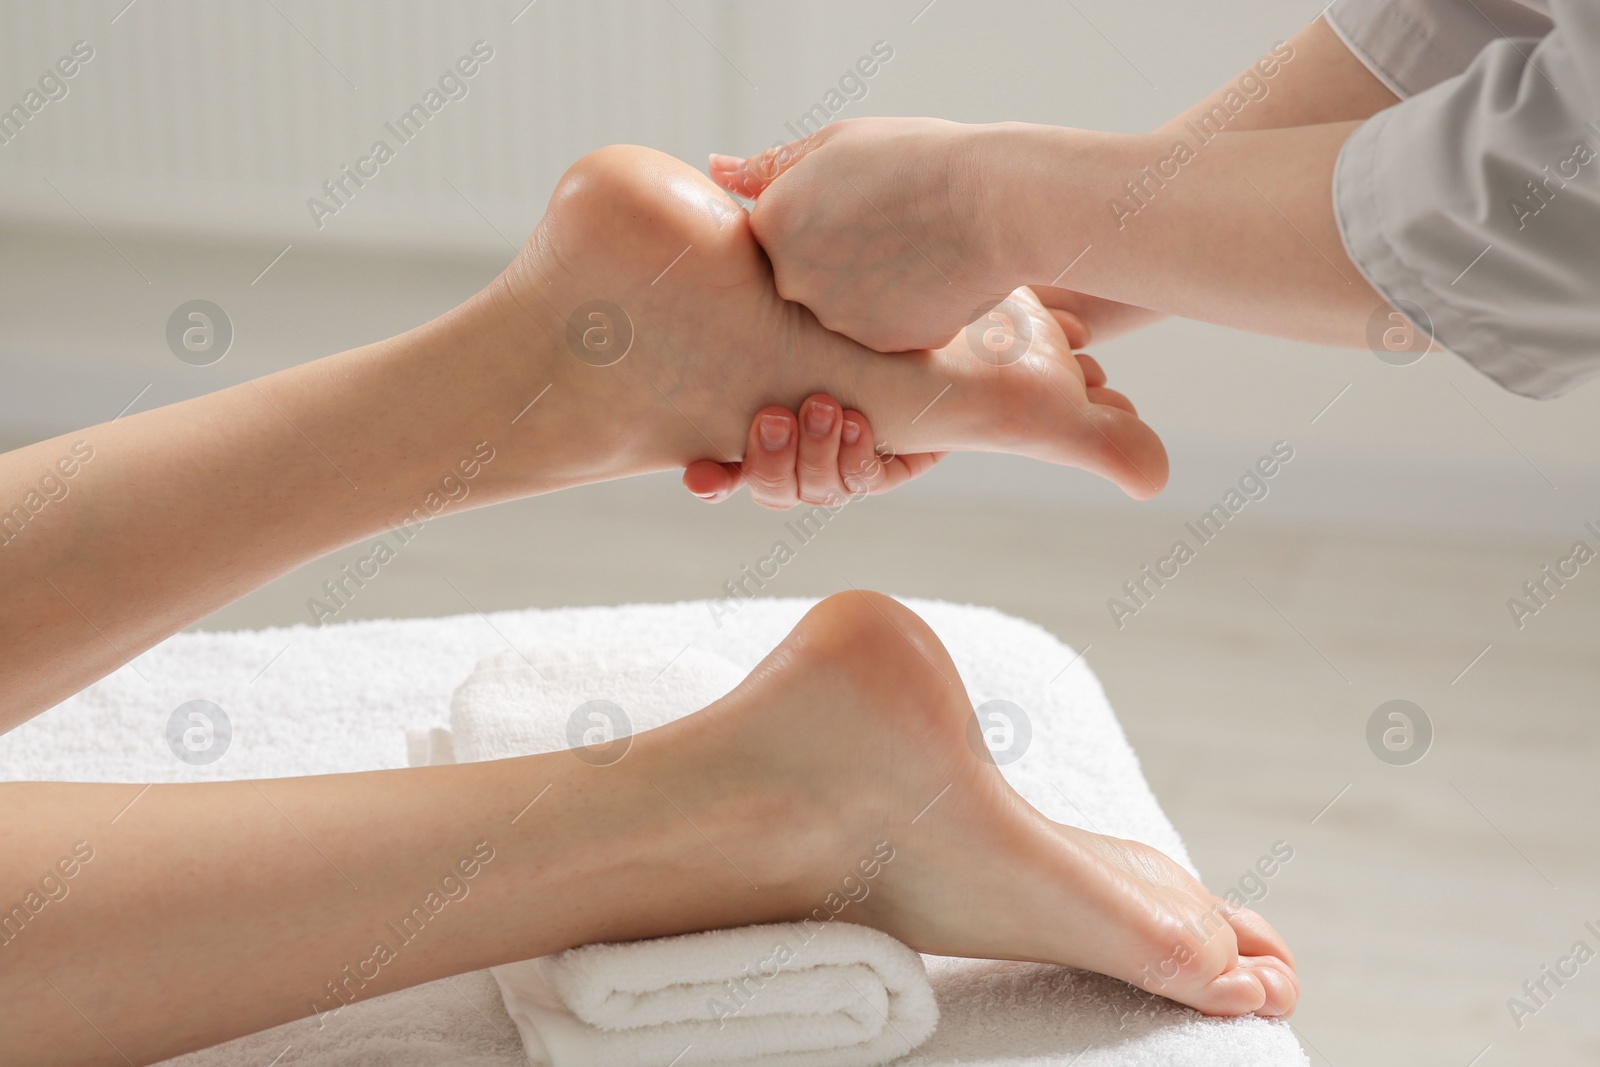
(821, 454)
(882, 227)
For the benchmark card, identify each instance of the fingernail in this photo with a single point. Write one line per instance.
(819, 418)
(851, 432)
(722, 162)
(774, 432)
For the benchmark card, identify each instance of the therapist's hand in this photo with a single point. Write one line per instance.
(824, 454)
(882, 227)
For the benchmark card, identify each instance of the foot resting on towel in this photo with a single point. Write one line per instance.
(856, 735)
(845, 768)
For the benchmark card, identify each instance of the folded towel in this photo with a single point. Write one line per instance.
(834, 995)
(333, 699)
(518, 703)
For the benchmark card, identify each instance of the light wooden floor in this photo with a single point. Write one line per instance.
(1418, 902)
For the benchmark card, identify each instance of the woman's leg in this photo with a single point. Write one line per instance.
(115, 537)
(843, 769)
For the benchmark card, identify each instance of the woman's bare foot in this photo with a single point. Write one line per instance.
(858, 730)
(649, 275)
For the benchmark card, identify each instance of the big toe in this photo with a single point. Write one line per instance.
(1068, 421)
(1258, 985)
(1278, 982)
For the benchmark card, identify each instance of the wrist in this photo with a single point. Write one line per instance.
(1004, 199)
(1050, 198)
(1027, 209)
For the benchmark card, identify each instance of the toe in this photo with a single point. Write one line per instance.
(1075, 329)
(1257, 937)
(1258, 985)
(1110, 398)
(1093, 373)
(1278, 982)
(1118, 446)
(1238, 991)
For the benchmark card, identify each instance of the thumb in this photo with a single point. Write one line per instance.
(750, 177)
(712, 481)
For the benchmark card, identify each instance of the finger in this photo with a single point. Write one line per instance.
(1099, 394)
(769, 459)
(711, 481)
(821, 430)
(872, 472)
(1093, 373)
(728, 172)
(860, 468)
(898, 470)
(750, 177)
(864, 469)
(1074, 327)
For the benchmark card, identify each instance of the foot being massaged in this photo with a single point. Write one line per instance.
(214, 496)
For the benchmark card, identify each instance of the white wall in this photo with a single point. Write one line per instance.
(180, 162)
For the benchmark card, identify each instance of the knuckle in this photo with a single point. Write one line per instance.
(765, 166)
(768, 483)
(870, 465)
(786, 282)
(863, 476)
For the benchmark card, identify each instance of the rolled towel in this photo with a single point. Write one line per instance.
(518, 703)
(786, 995)
(809, 994)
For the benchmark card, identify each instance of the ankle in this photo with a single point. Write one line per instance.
(782, 837)
(517, 383)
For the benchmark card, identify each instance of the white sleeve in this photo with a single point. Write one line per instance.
(1474, 206)
(1412, 45)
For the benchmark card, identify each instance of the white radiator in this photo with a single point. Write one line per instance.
(226, 119)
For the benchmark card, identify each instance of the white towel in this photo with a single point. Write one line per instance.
(842, 996)
(305, 700)
(834, 995)
(519, 702)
